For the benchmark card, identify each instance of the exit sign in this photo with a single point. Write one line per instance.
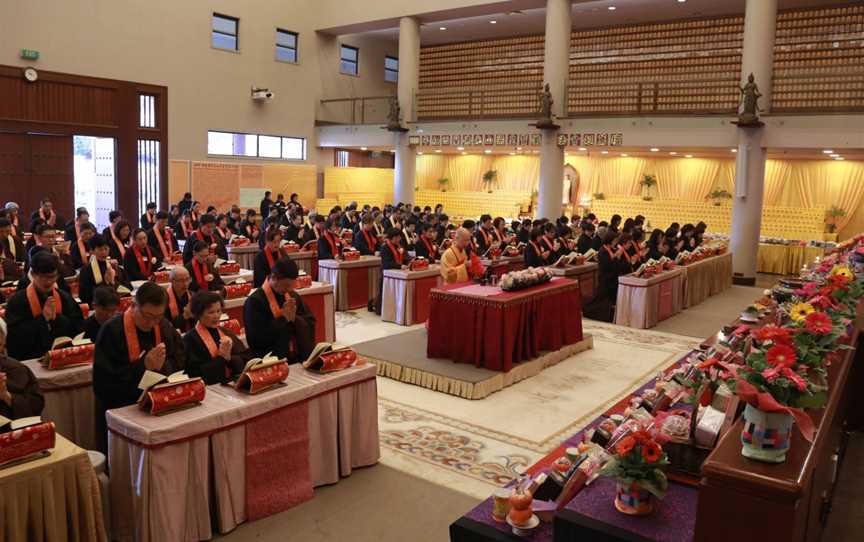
(29, 54)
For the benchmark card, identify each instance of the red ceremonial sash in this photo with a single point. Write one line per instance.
(498, 235)
(609, 250)
(194, 216)
(332, 242)
(200, 276)
(118, 242)
(225, 235)
(166, 251)
(151, 218)
(433, 250)
(250, 230)
(275, 309)
(269, 255)
(146, 267)
(536, 248)
(397, 255)
(207, 339)
(36, 306)
(548, 244)
(485, 237)
(185, 228)
(173, 307)
(131, 332)
(82, 251)
(370, 240)
(52, 217)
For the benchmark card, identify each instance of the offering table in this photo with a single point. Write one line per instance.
(504, 264)
(355, 282)
(244, 255)
(642, 302)
(586, 274)
(240, 457)
(494, 329)
(706, 277)
(405, 295)
(52, 498)
(306, 260)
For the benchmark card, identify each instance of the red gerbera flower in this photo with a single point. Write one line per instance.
(651, 452)
(781, 355)
(772, 333)
(838, 280)
(818, 323)
(625, 446)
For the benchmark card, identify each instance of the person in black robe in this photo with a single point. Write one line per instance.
(11, 252)
(201, 269)
(536, 253)
(47, 213)
(103, 308)
(82, 216)
(185, 204)
(166, 249)
(205, 234)
(249, 226)
(294, 230)
(33, 328)
(116, 371)
(222, 231)
(290, 332)
(177, 310)
(365, 239)
(20, 396)
(264, 207)
(599, 236)
(80, 253)
(148, 219)
(270, 253)
(330, 244)
(426, 247)
(393, 256)
(612, 260)
(409, 235)
(231, 354)
(586, 238)
(657, 247)
(140, 261)
(118, 237)
(484, 239)
(108, 275)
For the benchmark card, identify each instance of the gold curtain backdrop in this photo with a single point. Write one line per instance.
(788, 183)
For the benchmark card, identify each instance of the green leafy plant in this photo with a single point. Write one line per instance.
(831, 216)
(718, 195)
(442, 183)
(648, 181)
(490, 179)
(598, 195)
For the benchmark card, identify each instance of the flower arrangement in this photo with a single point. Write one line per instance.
(831, 216)
(718, 195)
(524, 278)
(490, 178)
(638, 463)
(648, 180)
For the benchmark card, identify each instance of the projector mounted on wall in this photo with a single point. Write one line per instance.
(261, 94)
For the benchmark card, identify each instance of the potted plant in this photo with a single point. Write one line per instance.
(489, 179)
(598, 195)
(648, 180)
(638, 465)
(831, 216)
(442, 183)
(718, 195)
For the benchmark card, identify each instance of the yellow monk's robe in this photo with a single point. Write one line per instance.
(454, 265)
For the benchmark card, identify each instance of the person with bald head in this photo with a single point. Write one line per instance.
(177, 310)
(454, 261)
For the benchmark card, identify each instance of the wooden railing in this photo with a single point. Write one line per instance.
(518, 100)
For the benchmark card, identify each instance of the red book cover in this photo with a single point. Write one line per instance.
(419, 264)
(257, 380)
(125, 303)
(291, 247)
(239, 242)
(232, 325)
(351, 255)
(303, 281)
(233, 291)
(229, 268)
(164, 398)
(71, 356)
(21, 443)
(335, 360)
(161, 276)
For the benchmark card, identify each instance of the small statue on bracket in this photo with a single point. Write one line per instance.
(749, 115)
(394, 120)
(546, 102)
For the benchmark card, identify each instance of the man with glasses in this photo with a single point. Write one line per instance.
(136, 340)
(177, 309)
(40, 312)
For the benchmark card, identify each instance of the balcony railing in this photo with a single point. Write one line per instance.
(360, 110)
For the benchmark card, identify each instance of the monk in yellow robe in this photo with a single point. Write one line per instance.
(455, 260)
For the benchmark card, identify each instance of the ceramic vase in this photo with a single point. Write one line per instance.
(765, 436)
(632, 500)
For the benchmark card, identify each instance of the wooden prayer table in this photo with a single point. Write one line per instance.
(306, 260)
(244, 255)
(642, 302)
(356, 282)
(405, 295)
(490, 328)
(504, 264)
(236, 457)
(586, 274)
(707, 277)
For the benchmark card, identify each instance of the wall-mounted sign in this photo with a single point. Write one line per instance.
(583, 139)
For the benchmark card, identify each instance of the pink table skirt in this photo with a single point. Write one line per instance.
(405, 295)
(642, 303)
(356, 283)
(198, 460)
(306, 261)
(69, 401)
(245, 256)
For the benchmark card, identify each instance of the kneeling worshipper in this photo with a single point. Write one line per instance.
(457, 263)
(140, 262)
(366, 239)
(200, 267)
(216, 355)
(277, 320)
(329, 244)
(205, 234)
(426, 247)
(99, 271)
(104, 307)
(139, 339)
(267, 257)
(80, 247)
(41, 312)
(20, 396)
(177, 311)
(536, 252)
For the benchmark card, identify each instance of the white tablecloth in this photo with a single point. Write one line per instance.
(344, 276)
(639, 300)
(245, 256)
(398, 301)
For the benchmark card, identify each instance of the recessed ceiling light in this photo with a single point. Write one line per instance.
(442, 28)
(655, 149)
(518, 148)
(604, 152)
(464, 153)
(364, 148)
(833, 155)
(420, 153)
(839, 158)
(437, 150)
(493, 21)
(688, 156)
(583, 149)
(673, 153)
(512, 154)
(827, 151)
(681, 1)
(734, 150)
(460, 148)
(624, 154)
(392, 150)
(487, 151)
(612, 8)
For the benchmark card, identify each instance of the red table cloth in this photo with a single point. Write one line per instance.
(494, 329)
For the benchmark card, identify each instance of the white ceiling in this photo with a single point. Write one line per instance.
(586, 14)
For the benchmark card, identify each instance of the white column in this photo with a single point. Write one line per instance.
(409, 77)
(556, 70)
(760, 22)
(406, 169)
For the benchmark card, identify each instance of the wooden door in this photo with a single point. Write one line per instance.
(15, 173)
(52, 172)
